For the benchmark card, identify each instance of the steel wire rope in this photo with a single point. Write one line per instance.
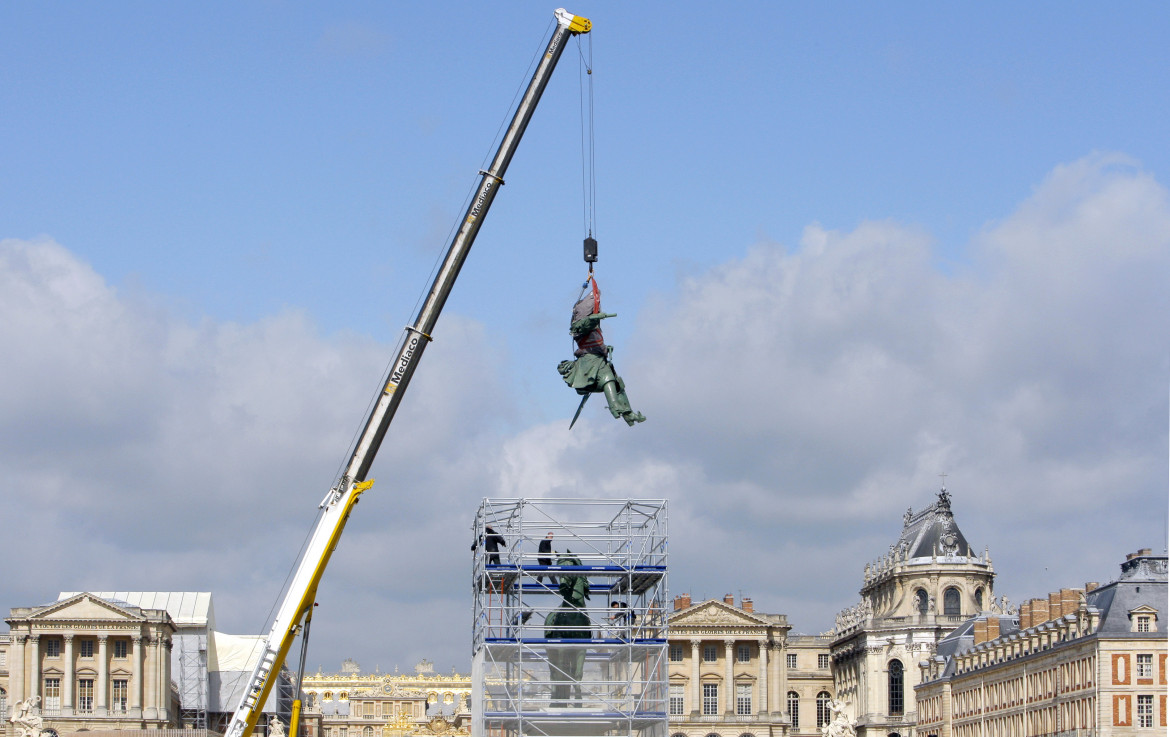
(588, 148)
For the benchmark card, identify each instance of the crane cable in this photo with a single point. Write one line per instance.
(588, 158)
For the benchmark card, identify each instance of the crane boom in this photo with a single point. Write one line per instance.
(338, 502)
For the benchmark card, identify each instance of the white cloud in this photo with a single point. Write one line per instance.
(798, 400)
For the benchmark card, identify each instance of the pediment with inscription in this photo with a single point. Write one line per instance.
(86, 607)
(715, 615)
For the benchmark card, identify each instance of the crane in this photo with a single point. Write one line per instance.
(295, 612)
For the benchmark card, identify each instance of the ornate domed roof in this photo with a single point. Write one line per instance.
(932, 532)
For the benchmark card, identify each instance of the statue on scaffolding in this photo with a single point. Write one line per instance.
(569, 622)
(592, 371)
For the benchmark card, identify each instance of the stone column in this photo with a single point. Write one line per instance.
(16, 688)
(696, 690)
(136, 676)
(149, 676)
(729, 675)
(164, 682)
(779, 680)
(103, 677)
(34, 676)
(67, 678)
(763, 690)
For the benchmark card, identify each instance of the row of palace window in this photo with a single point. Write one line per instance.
(85, 647)
(119, 695)
(743, 654)
(365, 731)
(344, 732)
(743, 702)
(951, 601)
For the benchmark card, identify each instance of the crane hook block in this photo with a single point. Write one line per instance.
(590, 250)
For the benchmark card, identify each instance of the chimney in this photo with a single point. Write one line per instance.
(729, 600)
(992, 627)
(747, 605)
(1054, 605)
(1039, 611)
(1090, 585)
(682, 601)
(1131, 556)
(1144, 551)
(1069, 599)
(1025, 615)
(980, 631)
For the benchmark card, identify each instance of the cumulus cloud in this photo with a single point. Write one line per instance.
(193, 454)
(802, 397)
(799, 399)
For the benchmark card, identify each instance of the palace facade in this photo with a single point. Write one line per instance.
(90, 664)
(736, 672)
(928, 651)
(930, 580)
(355, 704)
(1082, 661)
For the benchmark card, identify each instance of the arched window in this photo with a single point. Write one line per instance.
(951, 601)
(327, 696)
(794, 708)
(923, 600)
(678, 734)
(979, 600)
(712, 734)
(747, 734)
(368, 732)
(823, 716)
(896, 686)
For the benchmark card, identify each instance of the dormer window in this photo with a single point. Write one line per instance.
(1143, 619)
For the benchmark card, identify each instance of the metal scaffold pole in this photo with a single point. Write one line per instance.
(569, 618)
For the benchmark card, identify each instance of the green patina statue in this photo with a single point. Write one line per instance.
(568, 622)
(592, 371)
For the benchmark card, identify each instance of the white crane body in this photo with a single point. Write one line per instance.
(335, 508)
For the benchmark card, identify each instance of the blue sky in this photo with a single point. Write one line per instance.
(246, 200)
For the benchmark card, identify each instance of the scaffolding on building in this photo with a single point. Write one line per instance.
(573, 641)
(192, 657)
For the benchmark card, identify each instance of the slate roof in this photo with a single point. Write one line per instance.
(933, 531)
(1142, 583)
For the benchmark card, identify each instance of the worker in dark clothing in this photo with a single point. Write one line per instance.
(592, 370)
(545, 547)
(492, 541)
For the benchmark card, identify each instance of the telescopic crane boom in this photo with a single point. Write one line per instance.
(335, 508)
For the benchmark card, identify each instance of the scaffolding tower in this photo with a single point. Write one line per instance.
(570, 642)
(192, 679)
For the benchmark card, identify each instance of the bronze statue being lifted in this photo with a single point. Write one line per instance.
(592, 371)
